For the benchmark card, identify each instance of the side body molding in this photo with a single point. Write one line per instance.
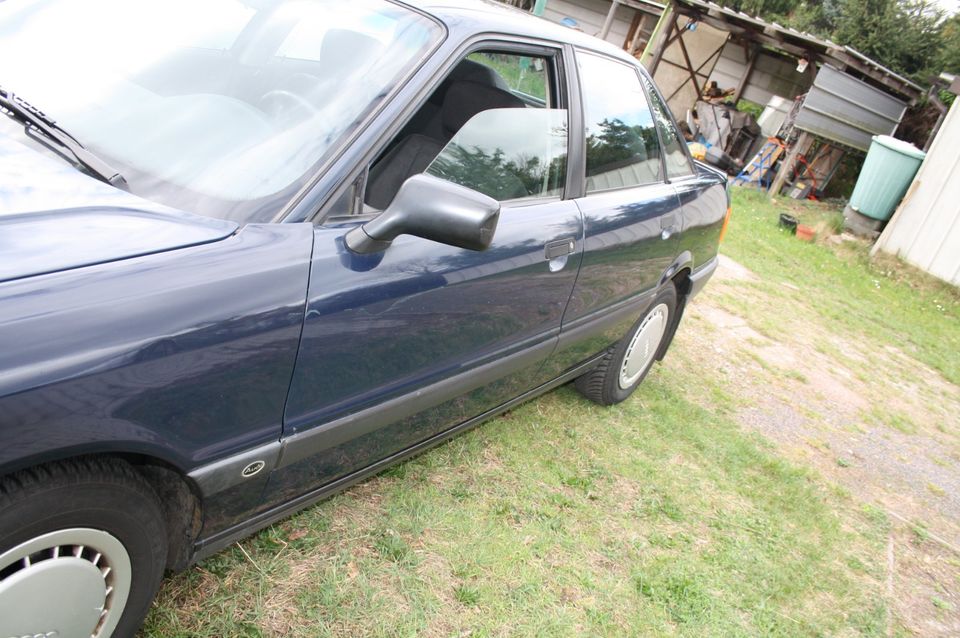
(302, 445)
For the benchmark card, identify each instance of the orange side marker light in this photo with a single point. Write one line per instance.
(726, 222)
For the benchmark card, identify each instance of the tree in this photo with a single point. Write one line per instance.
(948, 58)
(903, 35)
(818, 17)
(908, 36)
(618, 144)
(774, 10)
(493, 174)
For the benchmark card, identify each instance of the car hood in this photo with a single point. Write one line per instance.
(53, 217)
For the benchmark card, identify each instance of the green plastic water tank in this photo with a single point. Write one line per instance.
(885, 176)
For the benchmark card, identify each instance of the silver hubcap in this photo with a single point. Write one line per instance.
(65, 584)
(643, 346)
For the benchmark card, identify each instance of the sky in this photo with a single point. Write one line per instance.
(949, 6)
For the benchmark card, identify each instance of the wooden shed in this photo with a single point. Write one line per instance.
(755, 57)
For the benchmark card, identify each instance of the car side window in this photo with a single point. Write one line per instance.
(677, 161)
(622, 147)
(504, 151)
(525, 76)
(508, 154)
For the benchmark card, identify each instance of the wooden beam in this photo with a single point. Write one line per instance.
(633, 32)
(690, 70)
(723, 25)
(658, 41)
(716, 54)
(678, 34)
(696, 72)
(812, 69)
(608, 22)
(649, 9)
(779, 45)
(637, 42)
(753, 51)
(789, 162)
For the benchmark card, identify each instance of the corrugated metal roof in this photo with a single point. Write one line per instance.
(843, 109)
(796, 42)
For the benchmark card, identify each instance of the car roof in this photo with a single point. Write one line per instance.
(480, 16)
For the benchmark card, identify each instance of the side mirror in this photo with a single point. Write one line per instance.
(434, 209)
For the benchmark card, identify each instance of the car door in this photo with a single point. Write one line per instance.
(700, 196)
(401, 345)
(630, 210)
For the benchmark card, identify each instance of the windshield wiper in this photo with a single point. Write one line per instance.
(45, 130)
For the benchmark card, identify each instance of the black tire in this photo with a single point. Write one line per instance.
(107, 495)
(602, 384)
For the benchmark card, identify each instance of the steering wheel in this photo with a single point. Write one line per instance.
(281, 101)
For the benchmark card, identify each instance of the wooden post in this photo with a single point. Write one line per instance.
(786, 166)
(690, 70)
(605, 30)
(752, 52)
(636, 29)
(658, 39)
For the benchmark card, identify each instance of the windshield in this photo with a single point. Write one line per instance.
(219, 107)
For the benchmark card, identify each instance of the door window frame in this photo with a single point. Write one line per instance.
(583, 108)
(649, 87)
(554, 53)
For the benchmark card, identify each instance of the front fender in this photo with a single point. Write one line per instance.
(184, 355)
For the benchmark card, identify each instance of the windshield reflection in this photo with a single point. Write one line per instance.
(214, 107)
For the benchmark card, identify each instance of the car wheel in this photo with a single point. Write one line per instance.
(82, 550)
(626, 364)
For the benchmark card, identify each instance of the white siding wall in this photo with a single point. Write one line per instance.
(590, 15)
(925, 230)
(672, 77)
(772, 75)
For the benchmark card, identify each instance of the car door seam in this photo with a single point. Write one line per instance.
(296, 360)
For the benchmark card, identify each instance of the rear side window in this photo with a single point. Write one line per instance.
(621, 137)
(677, 161)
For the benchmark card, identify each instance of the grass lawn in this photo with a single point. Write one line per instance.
(664, 515)
(881, 300)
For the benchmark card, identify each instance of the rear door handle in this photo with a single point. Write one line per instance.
(558, 248)
(668, 225)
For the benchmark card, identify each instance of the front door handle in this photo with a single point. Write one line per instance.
(558, 248)
(666, 233)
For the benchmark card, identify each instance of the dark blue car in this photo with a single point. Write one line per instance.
(253, 251)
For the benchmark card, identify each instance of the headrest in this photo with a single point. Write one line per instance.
(464, 99)
(470, 71)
